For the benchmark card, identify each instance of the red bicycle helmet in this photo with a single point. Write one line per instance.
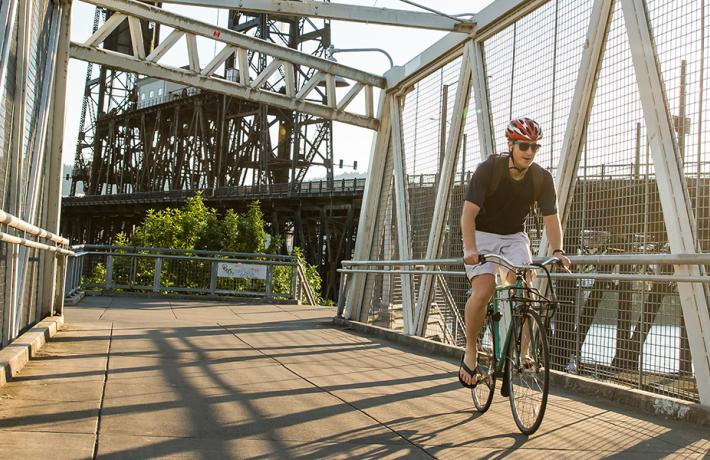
(523, 129)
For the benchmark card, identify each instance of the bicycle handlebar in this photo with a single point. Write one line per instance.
(482, 259)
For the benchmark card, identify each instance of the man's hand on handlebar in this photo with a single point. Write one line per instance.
(471, 257)
(564, 261)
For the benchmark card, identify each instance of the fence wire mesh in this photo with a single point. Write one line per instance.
(629, 332)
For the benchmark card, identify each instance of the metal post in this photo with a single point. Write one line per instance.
(213, 277)
(402, 208)
(294, 284)
(442, 124)
(341, 295)
(156, 275)
(637, 151)
(53, 299)
(269, 282)
(60, 273)
(675, 201)
(108, 283)
(445, 184)
(366, 233)
(681, 127)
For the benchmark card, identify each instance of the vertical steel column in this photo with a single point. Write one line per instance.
(8, 13)
(445, 185)
(366, 233)
(576, 127)
(52, 294)
(484, 118)
(675, 200)
(402, 207)
(16, 255)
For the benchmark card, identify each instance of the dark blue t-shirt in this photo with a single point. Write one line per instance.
(505, 210)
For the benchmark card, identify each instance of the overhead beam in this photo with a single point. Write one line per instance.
(502, 13)
(191, 26)
(339, 12)
(190, 78)
(489, 21)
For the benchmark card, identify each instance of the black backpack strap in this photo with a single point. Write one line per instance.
(499, 168)
(537, 180)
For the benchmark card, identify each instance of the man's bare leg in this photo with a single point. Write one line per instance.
(482, 288)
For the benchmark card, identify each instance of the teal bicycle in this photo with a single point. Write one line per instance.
(513, 344)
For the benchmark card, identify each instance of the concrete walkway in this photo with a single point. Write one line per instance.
(138, 378)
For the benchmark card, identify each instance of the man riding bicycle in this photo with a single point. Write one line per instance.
(498, 200)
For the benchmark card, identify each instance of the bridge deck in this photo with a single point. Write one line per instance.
(219, 380)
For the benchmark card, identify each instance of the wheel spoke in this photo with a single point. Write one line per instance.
(528, 373)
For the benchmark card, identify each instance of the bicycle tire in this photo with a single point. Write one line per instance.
(482, 395)
(529, 378)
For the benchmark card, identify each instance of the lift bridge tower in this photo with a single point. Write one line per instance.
(141, 135)
(146, 135)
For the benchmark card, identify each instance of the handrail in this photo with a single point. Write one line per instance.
(702, 258)
(19, 224)
(33, 244)
(179, 257)
(112, 248)
(580, 276)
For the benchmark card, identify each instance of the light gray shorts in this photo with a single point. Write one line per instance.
(515, 247)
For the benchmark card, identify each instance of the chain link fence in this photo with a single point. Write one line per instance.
(628, 330)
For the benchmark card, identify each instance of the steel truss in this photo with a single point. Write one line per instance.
(387, 162)
(263, 143)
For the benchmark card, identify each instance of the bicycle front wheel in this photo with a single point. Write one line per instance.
(483, 393)
(528, 372)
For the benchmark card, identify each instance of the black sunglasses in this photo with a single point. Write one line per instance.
(524, 146)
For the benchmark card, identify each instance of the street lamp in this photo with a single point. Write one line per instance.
(340, 82)
(332, 50)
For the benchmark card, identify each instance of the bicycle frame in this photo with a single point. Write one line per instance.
(502, 342)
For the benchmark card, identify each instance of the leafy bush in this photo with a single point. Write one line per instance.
(194, 226)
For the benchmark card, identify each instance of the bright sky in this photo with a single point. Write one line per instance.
(349, 142)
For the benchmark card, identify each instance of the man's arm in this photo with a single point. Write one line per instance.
(554, 236)
(468, 232)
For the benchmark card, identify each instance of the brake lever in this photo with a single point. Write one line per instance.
(560, 264)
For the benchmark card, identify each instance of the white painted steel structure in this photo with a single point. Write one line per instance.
(387, 187)
(339, 11)
(33, 59)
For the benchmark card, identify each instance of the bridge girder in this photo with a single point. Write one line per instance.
(249, 87)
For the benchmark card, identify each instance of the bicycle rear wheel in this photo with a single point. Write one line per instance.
(528, 372)
(483, 393)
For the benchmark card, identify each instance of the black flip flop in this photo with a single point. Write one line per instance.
(466, 369)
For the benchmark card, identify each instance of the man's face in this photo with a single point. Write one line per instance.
(523, 152)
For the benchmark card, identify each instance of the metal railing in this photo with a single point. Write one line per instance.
(39, 255)
(619, 320)
(110, 269)
(242, 192)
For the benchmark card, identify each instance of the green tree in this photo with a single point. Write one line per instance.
(251, 230)
(194, 226)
